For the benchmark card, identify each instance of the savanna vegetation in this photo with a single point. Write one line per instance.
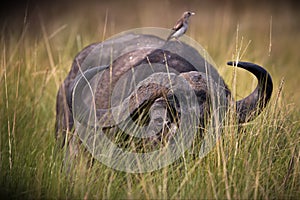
(259, 160)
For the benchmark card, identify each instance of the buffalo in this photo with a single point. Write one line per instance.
(138, 72)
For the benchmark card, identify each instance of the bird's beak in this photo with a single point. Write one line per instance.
(192, 13)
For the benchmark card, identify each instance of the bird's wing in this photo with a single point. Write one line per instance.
(178, 24)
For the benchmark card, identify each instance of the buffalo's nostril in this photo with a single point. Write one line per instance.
(159, 120)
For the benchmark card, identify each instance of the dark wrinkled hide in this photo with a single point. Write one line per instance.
(189, 63)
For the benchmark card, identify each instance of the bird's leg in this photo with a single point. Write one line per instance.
(178, 40)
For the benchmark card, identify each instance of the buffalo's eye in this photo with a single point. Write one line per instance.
(196, 78)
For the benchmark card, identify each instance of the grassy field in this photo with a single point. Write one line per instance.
(262, 160)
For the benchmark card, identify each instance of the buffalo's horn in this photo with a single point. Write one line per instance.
(249, 107)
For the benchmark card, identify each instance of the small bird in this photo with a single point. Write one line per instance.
(181, 26)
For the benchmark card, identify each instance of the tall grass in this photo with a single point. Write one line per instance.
(258, 160)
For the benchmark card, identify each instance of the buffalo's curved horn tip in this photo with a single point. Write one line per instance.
(249, 107)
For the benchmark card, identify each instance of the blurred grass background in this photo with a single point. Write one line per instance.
(38, 42)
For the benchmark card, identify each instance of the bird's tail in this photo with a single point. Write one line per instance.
(170, 35)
